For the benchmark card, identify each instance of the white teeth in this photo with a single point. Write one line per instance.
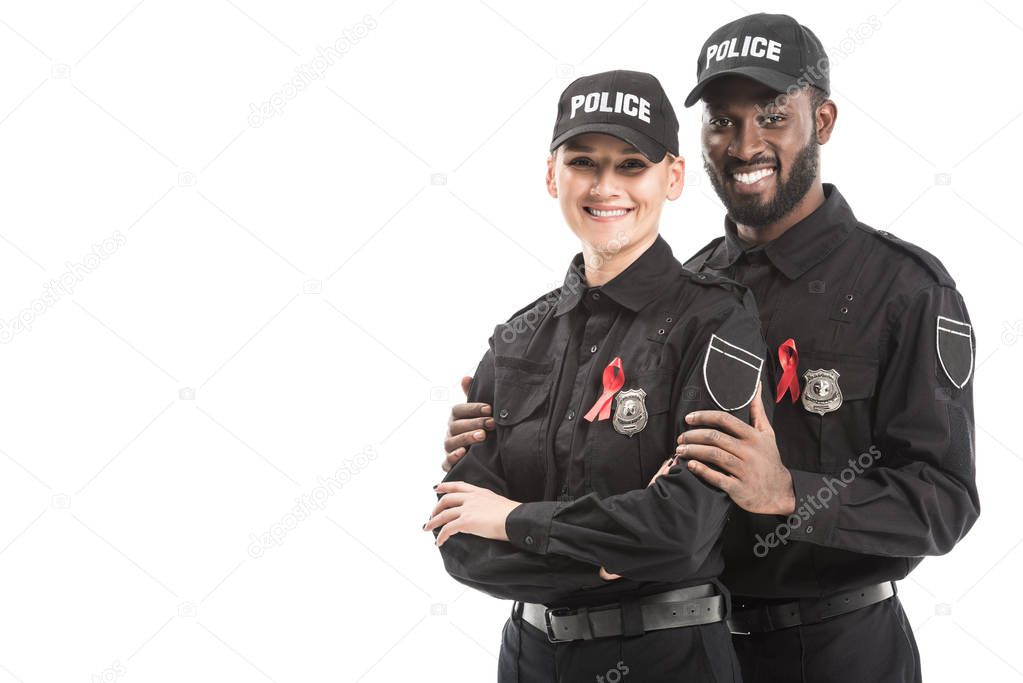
(750, 178)
(607, 214)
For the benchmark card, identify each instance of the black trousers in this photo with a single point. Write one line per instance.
(694, 654)
(874, 644)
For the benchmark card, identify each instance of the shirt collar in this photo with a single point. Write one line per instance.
(802, 246)
(633, 288)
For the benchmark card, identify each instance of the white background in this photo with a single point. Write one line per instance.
(290, 294)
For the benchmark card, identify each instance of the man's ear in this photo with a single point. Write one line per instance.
(552, 181)
(827, 114)
(676, 178)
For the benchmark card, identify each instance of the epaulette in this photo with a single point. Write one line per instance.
(711, 280)
(925, 258)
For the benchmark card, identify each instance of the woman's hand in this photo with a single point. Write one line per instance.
(468, 509)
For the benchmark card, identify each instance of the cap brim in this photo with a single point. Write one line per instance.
(772, 79)
(647, 146)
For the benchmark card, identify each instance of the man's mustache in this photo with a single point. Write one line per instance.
(759, 161)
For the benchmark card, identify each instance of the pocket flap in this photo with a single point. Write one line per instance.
(514, 402)
(656, 384)
(857, 375)
(521, 387)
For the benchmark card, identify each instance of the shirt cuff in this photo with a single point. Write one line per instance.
(817, 504)
(529, 526)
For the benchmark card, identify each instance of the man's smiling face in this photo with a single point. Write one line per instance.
(761, 151)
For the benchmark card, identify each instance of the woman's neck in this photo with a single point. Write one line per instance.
(603, 265)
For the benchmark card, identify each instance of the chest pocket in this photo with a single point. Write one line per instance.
(846, 431)
(521, 395)
(623, 463)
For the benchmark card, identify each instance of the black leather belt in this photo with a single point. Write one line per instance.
(748, 617)
(690, 606)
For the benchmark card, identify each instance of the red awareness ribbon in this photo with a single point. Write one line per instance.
(789, 359)
(614, 379)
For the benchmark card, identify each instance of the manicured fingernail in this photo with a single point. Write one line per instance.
(690, 416)
(435, 486)
(424, 526)
(486, 410)
(678, 449)
(479, 436)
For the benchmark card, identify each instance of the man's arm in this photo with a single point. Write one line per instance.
(468, 424)
(920, 495)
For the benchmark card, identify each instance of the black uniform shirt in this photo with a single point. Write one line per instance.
(687, 341)
(887, 476)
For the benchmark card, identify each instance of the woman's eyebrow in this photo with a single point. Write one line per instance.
(576, 147)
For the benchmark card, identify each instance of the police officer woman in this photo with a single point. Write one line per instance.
(590, 384)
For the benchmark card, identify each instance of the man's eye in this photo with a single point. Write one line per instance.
(581, 162)
(720, 122)
(632, 165)
(772, 119)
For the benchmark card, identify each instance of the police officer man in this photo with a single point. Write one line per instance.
(868, 464)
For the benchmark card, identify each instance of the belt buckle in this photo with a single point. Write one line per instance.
(548, 613)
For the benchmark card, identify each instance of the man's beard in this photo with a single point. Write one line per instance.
(749, 210)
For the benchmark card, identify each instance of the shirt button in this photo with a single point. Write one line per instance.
(844, 310)
(596, 296)
(593, 349)
(503, 413)
(571, 414)
(848, 297)
(667, 320)
(529, 540)
(809, 529)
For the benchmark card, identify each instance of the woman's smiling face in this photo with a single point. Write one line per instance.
(610, 194)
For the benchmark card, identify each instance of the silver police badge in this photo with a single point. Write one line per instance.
(821, 393)
(630, 412)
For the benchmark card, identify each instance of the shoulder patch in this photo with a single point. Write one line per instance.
(926, 259)
(954, 342)
(730, 373)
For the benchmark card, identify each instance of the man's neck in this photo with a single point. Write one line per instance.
(810, 202)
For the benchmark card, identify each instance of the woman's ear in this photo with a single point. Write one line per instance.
(676, 178)
(552, 181)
